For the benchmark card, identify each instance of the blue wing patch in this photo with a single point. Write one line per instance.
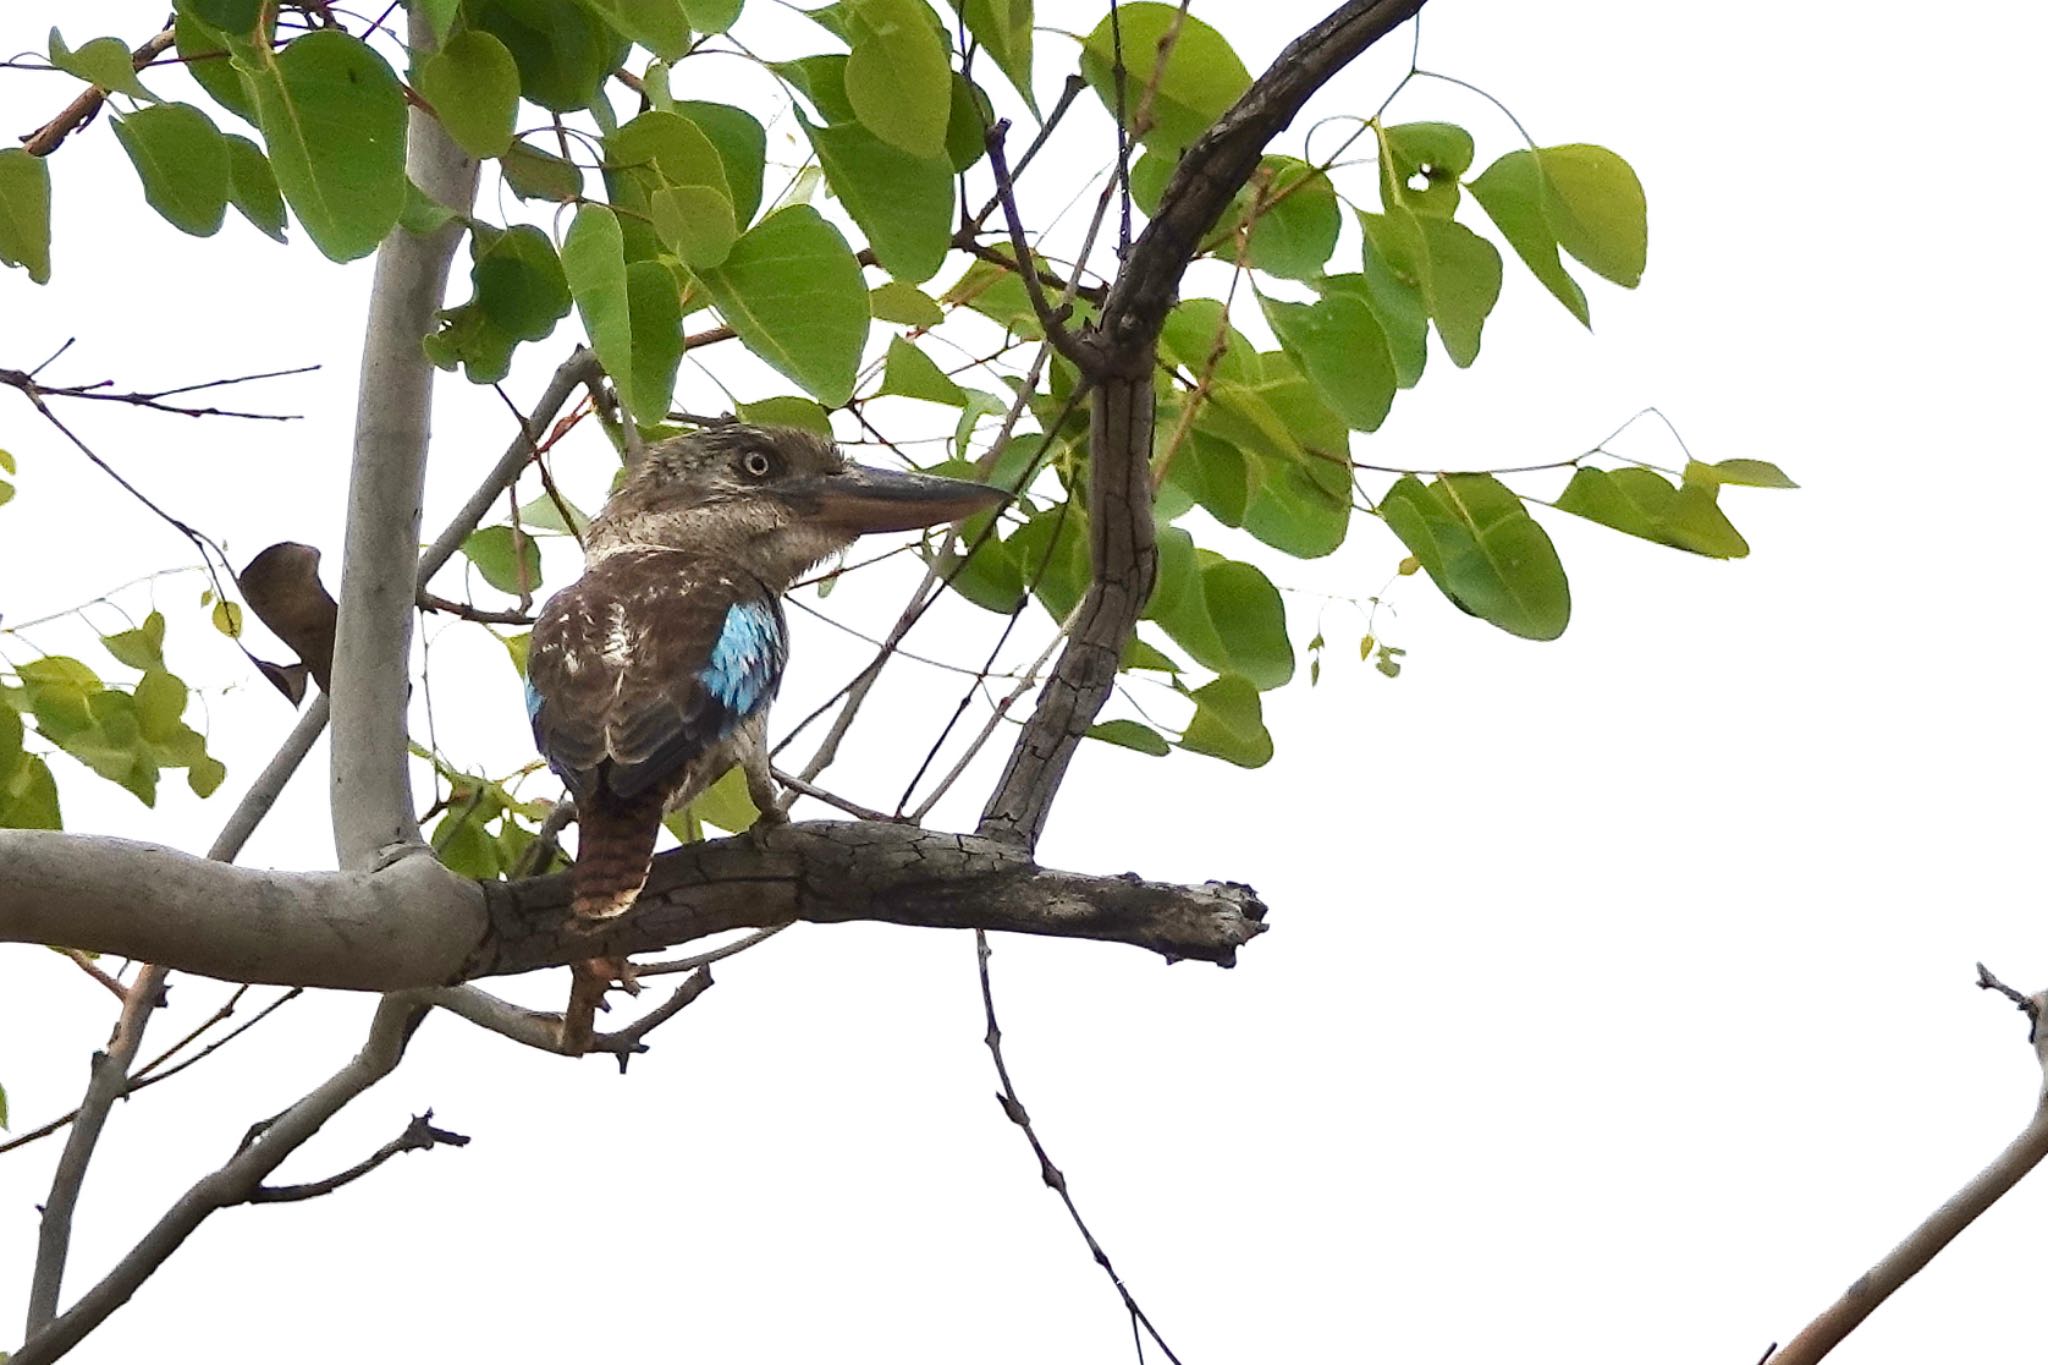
(746, 660)
(534, 700)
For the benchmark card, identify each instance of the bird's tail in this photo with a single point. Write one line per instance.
(614, 844)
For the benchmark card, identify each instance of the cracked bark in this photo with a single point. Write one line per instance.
(416, 924)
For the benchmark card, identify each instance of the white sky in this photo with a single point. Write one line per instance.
(1618, 1000)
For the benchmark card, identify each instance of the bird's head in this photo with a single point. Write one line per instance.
(779, 499)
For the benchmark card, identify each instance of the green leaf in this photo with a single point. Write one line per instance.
(543, 513)
(712, 16)
(12, 757)
(230, 16)
(29, 800)
(1511, 192)
(227, 619)
(990, 577)
(1744, 473)
(1338, 344)
(1595, 206)
(787, 410)
(1640, 502)
(473, 84)
(726, 804)
(912, 373)
(969, 116)
(518, 293)
(822, 80)
(682, 175)
(507, 558)
(794, 294)
(1457, 271)
(535, 174)
(1228, 723)
(460, 841)
(203, 50)
(1420, 164)
(564, 52)
(1203, 77)
(252, 188)
(594, 262)
(742, 148)
(140, 648)
(3, 1106)
(660, 26)
(1301, 509)
(900, 302)
(160, 704)
(104, 62)
(1226, 614)
(1398, 308)
(1003, 28)
(654, 305)
(898, 78)
(183, 162)
(205, 776)
(1297, 231)
(333, 119)
(903, 202)
(695, 222)
(1051, 551)
(1132, 735)
(1483, 550)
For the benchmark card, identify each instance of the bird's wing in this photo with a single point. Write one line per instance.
(645, 663)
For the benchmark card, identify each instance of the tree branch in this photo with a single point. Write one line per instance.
(543, 1031)
(372, 789)
(1942, 1226)
(109, 1079)
(79, 112)
(1054, 1178)
(416, 924)
(233, 1183)
(419, 1136)
(1117, 356)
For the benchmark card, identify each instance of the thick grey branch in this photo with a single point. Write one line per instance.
(416, 924)
(373, 809)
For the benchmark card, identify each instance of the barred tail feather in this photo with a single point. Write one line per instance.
(614, 844)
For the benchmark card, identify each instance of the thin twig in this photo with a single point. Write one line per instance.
(833, 799)
(92, 969)
(705, 959)
(80, 111)
(430, 601)
(25, 380)
(1055, 1179)
(1052, 319)
(419, 1136)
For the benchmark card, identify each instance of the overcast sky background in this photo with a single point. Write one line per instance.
(1617, 1004)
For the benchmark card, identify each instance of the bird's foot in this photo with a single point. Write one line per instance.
(589, 982)
(770, 820)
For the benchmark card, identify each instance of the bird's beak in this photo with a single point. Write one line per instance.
(861, 499)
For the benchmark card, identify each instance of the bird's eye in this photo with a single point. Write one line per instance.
(756, 465)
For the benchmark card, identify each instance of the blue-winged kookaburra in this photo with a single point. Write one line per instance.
(651, 675)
